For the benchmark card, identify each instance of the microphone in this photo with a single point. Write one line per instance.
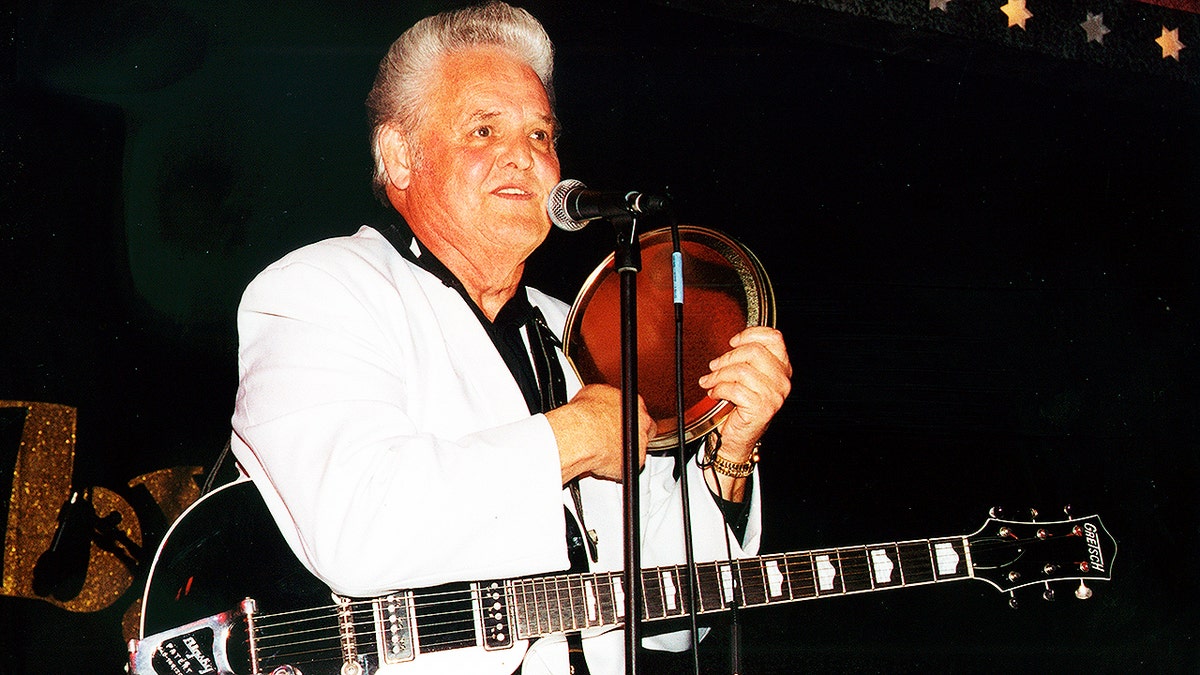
(571, 205)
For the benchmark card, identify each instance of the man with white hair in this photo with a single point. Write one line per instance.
(403, 406)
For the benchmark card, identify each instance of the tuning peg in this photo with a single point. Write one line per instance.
(1012, 600)
(1083, 592)
(1048, 594)
(1067, 511)
(1033, 514)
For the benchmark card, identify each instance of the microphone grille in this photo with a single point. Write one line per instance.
(556, 205)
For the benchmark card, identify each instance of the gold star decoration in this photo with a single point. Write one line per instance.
(938, 4)
(1169, 41)
(1095, 28)
(1016, 12)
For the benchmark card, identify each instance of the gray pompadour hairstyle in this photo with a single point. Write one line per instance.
(397, 97)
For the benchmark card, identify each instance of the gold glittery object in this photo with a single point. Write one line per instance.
(131, 622)
(173, 489)
(41, 484)
(108, 577)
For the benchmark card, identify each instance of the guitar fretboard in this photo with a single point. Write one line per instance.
(572, 602)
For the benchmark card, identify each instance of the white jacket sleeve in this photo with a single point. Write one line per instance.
(385, 464)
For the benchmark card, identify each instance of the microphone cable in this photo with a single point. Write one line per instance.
(680, 447)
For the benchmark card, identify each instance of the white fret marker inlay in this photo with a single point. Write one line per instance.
(669, 589)
(947, 558)
(826, 573)
(590, 600)
(883, 566)
(727, 583)
(618, 597)
(774, 579)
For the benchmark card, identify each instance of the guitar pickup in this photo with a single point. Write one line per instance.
(495, 625)
(394, 620)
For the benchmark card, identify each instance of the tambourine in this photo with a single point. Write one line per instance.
(725, 290)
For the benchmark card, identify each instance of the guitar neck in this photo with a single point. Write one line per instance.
(568, 602)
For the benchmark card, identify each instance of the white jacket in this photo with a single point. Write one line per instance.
(395, 450)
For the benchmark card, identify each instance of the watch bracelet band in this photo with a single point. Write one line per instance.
(735, 469)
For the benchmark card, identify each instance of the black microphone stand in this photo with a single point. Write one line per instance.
(627, 261)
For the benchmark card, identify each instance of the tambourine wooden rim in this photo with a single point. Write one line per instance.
(725, 290)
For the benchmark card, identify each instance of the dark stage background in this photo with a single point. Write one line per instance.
(984, 254)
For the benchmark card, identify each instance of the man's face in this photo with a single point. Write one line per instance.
(484, 159)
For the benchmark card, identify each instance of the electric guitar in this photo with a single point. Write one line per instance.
(226, 596)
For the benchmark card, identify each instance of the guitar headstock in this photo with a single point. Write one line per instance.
(1010, 554)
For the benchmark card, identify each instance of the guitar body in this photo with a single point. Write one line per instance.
(225, 548)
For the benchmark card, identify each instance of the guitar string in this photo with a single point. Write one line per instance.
(851, 571)
(572, 583)
(547, 592)
(552, 586)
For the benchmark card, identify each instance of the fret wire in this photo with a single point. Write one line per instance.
(681, 581)
(651, 593)
(872, 572)
(645, 595)
(548, 592)
(665, 573)
(536, 608)
(735, 580)
(574, 591)
(764, 569)
(568, 604)
(762, 578)
(554, 606)
(529, 602)
(586, 602)
(605, 595)
(544, 606)
(788, 576)
(812, 567)
(671, 581)
(604, 599)
(702, 585)
(591, 605)
(571, 600)
(508, 588)
(932, 559)
(595, 603)
(678, 597)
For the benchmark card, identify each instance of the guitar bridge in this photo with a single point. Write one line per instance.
(198, 647)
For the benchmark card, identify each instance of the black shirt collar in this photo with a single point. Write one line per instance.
(504, 331)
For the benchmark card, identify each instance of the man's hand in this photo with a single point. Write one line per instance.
(755, 375)
(588, 431)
